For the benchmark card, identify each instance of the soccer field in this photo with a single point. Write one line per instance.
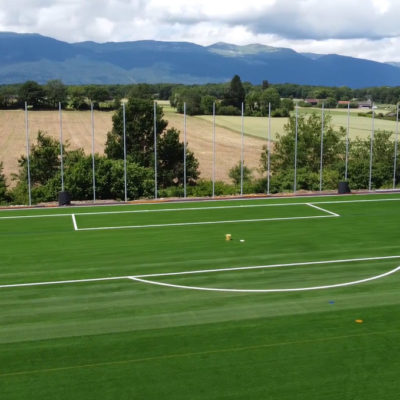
(150, 301)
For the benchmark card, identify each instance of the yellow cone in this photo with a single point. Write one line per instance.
(359, 321)
(228, 236)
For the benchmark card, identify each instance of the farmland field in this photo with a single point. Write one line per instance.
(150, 301)
(258, 127)
(77, 131)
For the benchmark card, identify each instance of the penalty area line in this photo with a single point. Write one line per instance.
(237, 221)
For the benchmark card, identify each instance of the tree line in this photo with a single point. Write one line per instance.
(199, 99)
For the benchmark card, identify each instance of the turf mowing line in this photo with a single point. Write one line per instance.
(204, 271)
(337, 285)
(193, 354)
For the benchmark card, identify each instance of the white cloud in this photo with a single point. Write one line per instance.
(360, 28)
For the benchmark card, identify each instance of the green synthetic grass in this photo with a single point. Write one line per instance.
(123, 339)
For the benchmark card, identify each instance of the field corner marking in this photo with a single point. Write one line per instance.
(323, 209)
(74, 222)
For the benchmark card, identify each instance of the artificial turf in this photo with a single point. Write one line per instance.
(123, 339)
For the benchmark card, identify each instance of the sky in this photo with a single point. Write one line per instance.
(358, 28)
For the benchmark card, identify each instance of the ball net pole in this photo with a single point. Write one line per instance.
(28, 154)
(61, 147)
(93, 161)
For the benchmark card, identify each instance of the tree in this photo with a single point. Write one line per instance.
(139, 132)
(235, 173)
(253, 102)
(235, 95)
(206, 104)
(32, 93)
(170, 161)
(382, 158)
(44, 159)
(140, 142)
(3, 186)
(308, 154)
(77, 97)
(44, 171)
(7, 96)
(56, 92)
(192, 98)
(272, 96)
(97, 94)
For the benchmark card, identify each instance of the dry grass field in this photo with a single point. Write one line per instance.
(77, 130)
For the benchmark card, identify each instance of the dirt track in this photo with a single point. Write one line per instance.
(77, 131)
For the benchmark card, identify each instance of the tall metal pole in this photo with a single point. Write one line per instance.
(93, 162)
(321, 166)
(295, 150)
(155, 150)
(242, 153)
(61, 148)
(269, 149)
(213, 172)
(372, 148)
(184, 150)
(395, 146)
(347, 142)
(125, 173)
(28, 153)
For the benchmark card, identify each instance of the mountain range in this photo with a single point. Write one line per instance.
(35, 57)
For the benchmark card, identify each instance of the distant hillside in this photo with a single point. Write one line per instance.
(34, 57)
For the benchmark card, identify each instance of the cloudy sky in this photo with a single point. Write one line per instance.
(359, 28)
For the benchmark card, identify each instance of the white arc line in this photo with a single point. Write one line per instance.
(267, 290)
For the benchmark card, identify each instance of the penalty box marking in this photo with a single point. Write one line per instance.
(193, 208)
(140, 278)
(330, 214)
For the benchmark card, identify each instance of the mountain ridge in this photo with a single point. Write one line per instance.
(36, 57)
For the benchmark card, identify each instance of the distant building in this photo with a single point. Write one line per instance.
(365, 104)
(313, 102)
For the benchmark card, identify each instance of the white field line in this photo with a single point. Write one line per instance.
(298, 264)
(210, 289)
(199, 208)
(137, 277)
(74, 222)
(35, 216)
(111, 278)
(202, 223)
(323, 209)
(192, 208)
